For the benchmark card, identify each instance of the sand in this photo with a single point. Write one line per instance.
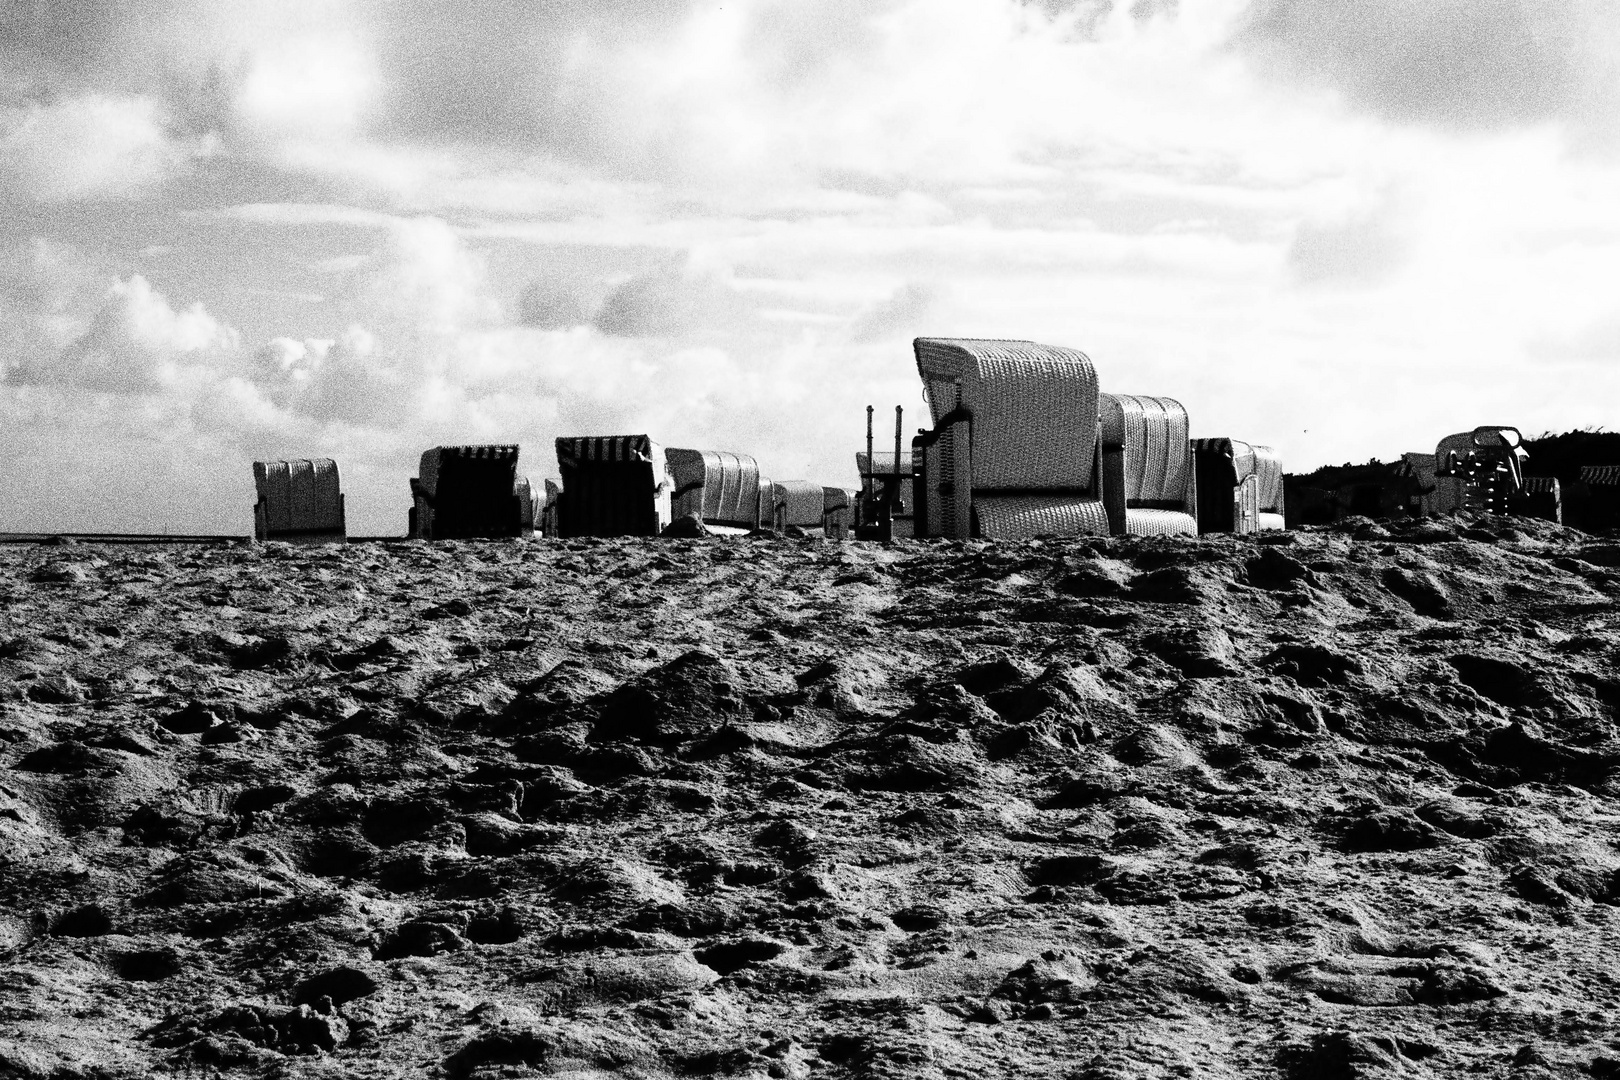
(1324, 804)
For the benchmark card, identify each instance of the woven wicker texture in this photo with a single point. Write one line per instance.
(613, 485)
(1153, 433)
(298, 497)
(1601, 475)
(721, 488)
(1034, 408)
(1160, 523)
(1268, 470)
(1014, 517)
(797, 502)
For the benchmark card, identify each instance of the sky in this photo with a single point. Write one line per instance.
(361, 228)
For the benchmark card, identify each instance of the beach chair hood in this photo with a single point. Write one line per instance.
(300, 497)
(613, 485)
(720, 487)
(798, 502)
(1148, 482)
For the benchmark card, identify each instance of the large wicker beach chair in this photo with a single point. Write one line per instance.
(298, 500)
(1013, 450)
(1268, 474)
(466, 492)
(548, 510)
(613, 485)
(1490, 463)
(1149, 487)
(876, 470)
(799, 503)
(719, 487)
(838, 507)
(1228, 486)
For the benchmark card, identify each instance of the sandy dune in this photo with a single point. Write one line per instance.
(1325, 804)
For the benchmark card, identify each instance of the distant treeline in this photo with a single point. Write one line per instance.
(1383, 489)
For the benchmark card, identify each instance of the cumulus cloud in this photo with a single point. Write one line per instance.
(1459, 63)
(900, 315)
(669, 303)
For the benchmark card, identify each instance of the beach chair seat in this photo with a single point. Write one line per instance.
(1149, 486)
(799, 503)
(719, 487)
(298, 500)
(466, 493)
(1013, 450)
(613, 485)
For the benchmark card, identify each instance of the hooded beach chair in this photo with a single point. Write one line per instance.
(1228, 484)
(799, 503)
(548, 509)
(1542, 497)
(613, 485)
(838, 512)
(524, 494)
(1268, 472)
(1490, 463)
(1149, 487)
(298, 500)
(466, 492)
(878, 471)
(720, 488)
(1428, 495)
(1013, 451)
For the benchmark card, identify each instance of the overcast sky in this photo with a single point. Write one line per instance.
(235, 229)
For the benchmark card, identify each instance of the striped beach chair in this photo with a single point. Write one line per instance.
(838, 512)
(1149, 487)
(719, 487)
(466, 492)
(1489, 461)
(298, 500)
(548, 509)
(613, 485)
(1541, 497)
(1013, 450)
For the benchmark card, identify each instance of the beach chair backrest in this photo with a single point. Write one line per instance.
(297, 498)
(720, 487)
(1268, 477)
(1490, 462)
(614, 485)
(549, 509)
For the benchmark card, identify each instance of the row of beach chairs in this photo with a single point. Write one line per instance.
(1023, 443)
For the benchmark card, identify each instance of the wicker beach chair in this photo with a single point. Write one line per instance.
(799, 503)
(466, 492)
(614, 485)
(527, 510)
(876, 470)
(1149, 487)
(1268, 474)
(1490, 463)
(1013, 450)
(1541, 497)
(298, 500)
(1228, 486)
(838, 507)
(720, 488)
(548, 510)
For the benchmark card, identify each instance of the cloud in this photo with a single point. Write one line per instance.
(669, 303)
(901, 314)
(1452, 63)
(549, 305)
(85, 146)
